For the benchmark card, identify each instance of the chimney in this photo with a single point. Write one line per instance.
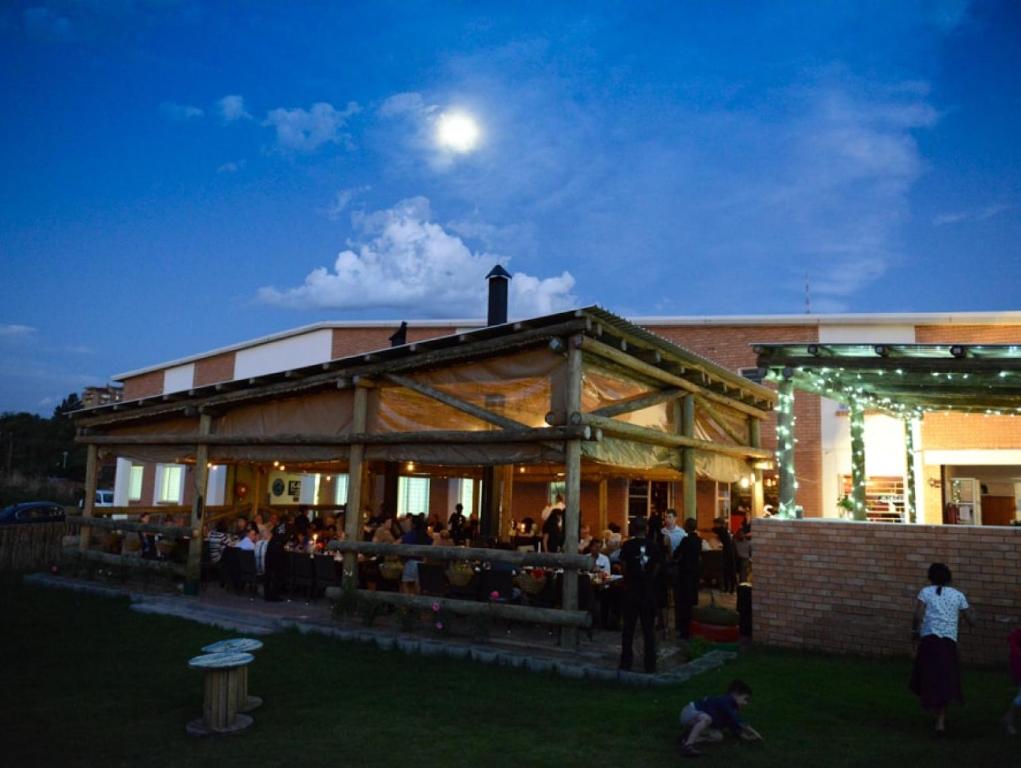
(498, 279)
(400, 336)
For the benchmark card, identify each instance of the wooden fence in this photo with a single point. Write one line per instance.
(31, 546)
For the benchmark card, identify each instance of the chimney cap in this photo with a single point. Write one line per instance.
(498, 271)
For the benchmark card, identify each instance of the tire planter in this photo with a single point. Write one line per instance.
(715, 632)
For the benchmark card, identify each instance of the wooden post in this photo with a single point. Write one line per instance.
(785, 447)
(755, 440)
(200, 476)
(858, 461)
(685, 417)
(88, 504)
(355, 491)
(910, 482)
(256, 489)
(506, 499)
(572, 489)
(604, 503)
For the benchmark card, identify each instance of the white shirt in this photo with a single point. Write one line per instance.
(603, 563)
(246, 543)
(941, 611)
(548, 510)
(676, 535)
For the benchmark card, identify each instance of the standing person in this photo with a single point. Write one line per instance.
(689, 572)
(742, 554)
(456, 524)
(729, 559)
(642, 561)
(936, 677)
(557, 504)
(275, 562)
(553, 530)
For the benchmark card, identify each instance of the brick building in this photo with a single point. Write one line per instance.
(974, 454)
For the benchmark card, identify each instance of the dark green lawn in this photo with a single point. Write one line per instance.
(85, 681)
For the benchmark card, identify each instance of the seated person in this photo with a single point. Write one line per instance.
(217, 540)
(600, 562)
(248, 542)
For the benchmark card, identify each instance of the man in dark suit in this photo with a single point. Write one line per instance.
(642, 559)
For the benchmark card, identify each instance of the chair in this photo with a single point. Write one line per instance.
(246, 575)
(326, 572)
(432, 580)
(230, 568)
(303, 575)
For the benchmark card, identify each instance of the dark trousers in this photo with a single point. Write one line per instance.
(639, 609)
(273, 577)
(685, 598)
(729, 571)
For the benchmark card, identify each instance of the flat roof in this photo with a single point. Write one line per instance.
(887, 318)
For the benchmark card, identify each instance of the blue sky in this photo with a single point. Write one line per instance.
(177, 176)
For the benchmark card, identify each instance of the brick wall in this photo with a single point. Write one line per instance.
(352, 341)
(850, 587)
(970, 431)
(968, 334)
(731, 347)
(146, 385)
(213, 370)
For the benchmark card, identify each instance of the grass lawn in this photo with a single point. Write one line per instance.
(86, 681)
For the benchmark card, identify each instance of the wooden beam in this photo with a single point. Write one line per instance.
(572, 488)
(655, 437)
(435, 552)
(686, 422)
(126, 561)
(443, 437)
(455, 402)
(88, 504)
(604, 504)
(638, 402)
(758, 491)
(170, 531)
(200, 475)
(355, 489)
(567, 619)
(628, 361)
(720, 422)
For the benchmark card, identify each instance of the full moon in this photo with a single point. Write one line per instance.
(457, 132)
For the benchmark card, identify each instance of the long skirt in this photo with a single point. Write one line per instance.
(936, 677)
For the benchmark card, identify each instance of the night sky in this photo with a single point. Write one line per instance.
(177, 176)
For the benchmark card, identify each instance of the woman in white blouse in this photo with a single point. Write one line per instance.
(936, 677)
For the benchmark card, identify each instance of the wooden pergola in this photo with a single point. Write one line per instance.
(572, 388)
(904, 381)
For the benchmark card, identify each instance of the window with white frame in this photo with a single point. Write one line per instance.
(412, 495)
(135, 482)
(169, 483)
(340, 483)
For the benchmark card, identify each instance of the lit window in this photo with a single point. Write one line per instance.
(169, 484)
(413, 495)
(466, 494)
(340, 489)
(557, 488)
(135, 483)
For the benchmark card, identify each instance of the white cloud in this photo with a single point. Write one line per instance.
(303, 130)
(14, 330)
(341, 200)
(963, 217)
(232, 108)
(180, 112)
(403, 260)
(232, 166)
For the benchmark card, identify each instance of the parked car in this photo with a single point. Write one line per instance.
(103, 499)
(32, 512)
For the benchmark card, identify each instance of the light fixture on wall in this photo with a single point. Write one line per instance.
(410, 466)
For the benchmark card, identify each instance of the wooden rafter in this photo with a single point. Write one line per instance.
(638, 402)
(455, 402)
(720, 422)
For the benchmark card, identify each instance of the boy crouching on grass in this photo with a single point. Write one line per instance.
(704, 719)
